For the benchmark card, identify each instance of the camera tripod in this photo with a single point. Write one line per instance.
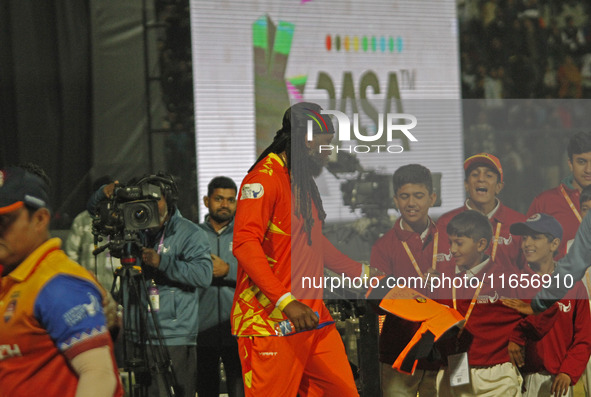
(144, 356)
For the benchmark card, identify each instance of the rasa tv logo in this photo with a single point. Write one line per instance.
(344, 131)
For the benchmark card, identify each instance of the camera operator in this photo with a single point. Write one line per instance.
(176, 256)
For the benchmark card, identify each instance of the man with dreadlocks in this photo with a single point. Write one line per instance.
(278, 241)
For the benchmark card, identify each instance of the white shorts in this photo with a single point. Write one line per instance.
(498, 380)
(540, 384)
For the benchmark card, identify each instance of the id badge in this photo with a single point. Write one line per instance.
(459, 369)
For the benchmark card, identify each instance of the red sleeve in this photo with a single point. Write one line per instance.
(336, 261)
(250, 226)
(380, 257)
(534, 327)
(577, 355)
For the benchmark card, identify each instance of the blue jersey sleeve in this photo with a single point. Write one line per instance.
(70, 309)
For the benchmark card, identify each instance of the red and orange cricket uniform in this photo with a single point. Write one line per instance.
(273, 258)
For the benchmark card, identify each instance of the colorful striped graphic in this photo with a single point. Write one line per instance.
(348, 43)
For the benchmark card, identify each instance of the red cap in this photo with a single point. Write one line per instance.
(486, 159)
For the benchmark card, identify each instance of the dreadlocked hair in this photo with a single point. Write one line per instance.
(291, 139)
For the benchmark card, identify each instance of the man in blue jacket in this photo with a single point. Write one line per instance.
(215, 340)
(176, 258)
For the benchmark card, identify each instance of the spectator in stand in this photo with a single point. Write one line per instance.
(522, 76)
(572, 37)
(468, 76)
(553, 42)
(569, 79)
(488, 12)
(493, 91)
(532, 42)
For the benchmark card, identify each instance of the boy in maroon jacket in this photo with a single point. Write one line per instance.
(563, 201)
(408, 250)
(483, 181)
(478, 361)
(556, 362)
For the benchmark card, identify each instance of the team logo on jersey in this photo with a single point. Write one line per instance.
(488, 298)
(505, 241)
(564, 308)
(10, 309)
(252, 191)
(82, 311)
(441, 257)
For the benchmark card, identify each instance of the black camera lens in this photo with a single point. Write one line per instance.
(140, 215)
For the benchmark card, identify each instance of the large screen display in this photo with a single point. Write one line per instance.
(374, 61)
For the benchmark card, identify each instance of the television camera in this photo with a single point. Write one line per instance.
(123, 219)
(130, 210)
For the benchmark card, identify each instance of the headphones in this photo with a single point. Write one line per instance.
(166, 184)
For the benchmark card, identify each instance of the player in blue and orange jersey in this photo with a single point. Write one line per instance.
(278, 241)
(53, 334)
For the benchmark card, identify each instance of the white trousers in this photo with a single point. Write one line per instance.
(501, 380)
(539, 384)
